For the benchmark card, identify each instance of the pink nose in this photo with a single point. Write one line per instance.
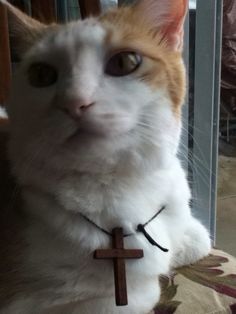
(76, 107)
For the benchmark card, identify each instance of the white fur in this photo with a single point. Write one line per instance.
(119, 176)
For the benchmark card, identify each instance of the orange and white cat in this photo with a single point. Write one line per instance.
(95, 123)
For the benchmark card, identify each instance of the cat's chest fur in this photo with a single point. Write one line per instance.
(109, 200)
(64, 245)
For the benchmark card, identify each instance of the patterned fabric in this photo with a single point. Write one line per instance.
(207, 287)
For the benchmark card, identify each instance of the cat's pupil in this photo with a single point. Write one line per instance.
(42, 75)
(123, 63)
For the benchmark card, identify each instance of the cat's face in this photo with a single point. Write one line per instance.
(92, 90)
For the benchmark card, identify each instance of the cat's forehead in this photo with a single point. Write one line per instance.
(89, 32)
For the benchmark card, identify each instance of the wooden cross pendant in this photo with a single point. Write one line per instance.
(118, 253)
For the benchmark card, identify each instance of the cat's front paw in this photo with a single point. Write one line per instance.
(195, 245)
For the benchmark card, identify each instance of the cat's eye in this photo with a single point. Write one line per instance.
(42, 75)
(123, 63)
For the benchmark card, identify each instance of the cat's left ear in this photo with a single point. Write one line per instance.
(24, 31)
(166, 17)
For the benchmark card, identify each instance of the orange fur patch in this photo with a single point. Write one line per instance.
(163, 66)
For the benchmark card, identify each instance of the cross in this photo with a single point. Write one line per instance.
(118, 253)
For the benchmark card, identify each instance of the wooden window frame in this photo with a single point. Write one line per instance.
(44, 10)
(87, 8)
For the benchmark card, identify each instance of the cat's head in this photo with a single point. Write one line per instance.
(91, 93)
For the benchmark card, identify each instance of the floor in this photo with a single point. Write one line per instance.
(226, 214)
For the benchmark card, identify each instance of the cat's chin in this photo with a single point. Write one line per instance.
(95, 134)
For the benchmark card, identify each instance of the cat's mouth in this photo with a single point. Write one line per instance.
(86, 133)
(104, 127)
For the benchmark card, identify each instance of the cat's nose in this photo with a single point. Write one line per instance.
(77, 107)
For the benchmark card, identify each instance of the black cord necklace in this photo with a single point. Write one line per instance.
(140, 228)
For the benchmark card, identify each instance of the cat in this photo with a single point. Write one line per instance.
(95, 124)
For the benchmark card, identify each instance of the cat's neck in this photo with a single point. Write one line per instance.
(99, 195)
(56, 206)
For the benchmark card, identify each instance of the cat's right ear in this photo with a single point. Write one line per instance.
(166, 18)
(24, 31)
